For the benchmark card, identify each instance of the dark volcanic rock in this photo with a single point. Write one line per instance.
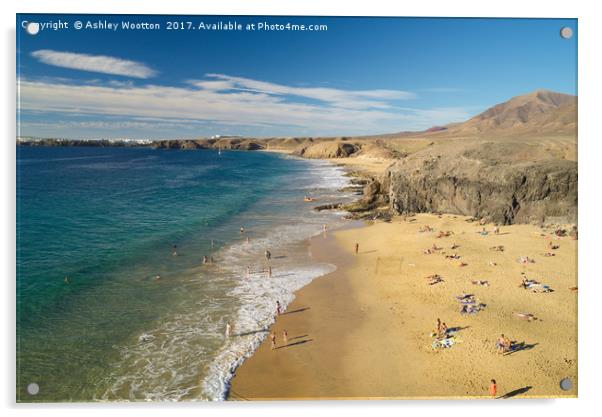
(485, 182)
(332, 206)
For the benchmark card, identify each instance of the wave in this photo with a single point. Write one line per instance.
(186, 356)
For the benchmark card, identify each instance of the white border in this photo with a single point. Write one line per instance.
(590, 139)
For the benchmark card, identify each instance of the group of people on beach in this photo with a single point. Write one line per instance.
(441, 330)
(503, 343)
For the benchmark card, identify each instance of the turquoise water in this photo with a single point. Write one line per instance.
(96, 226)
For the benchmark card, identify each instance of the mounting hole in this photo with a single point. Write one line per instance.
(32, 28)
(566, 32)
(33, 389)
(566, 384)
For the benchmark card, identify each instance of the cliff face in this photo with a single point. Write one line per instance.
(226, 143)
(486, 180)
(334, 149)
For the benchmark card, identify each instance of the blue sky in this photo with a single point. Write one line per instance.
(360, 76)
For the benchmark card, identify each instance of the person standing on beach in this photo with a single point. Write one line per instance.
(228, 329)
(444, 330)
(324, 228)
(277, 308)
(212, 244)
(285, 337)
(268, 255)
(357, 248)
(493, 388)
(205, 259)
(175, 250)
(248, 240)
(242, 230)
(273, 338)
(269, 272)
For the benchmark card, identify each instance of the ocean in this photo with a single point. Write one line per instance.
(106, 312)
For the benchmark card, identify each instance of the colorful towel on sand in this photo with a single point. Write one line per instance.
(445, 343)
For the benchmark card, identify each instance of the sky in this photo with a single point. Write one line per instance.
(355, 76)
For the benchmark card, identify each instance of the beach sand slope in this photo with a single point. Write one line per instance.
(364, 331)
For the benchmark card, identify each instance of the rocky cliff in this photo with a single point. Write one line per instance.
(500, 182)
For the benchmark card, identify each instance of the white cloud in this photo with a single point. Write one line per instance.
(94, 63)
(220, 100)
(352, 99)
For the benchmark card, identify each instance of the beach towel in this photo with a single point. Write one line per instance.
(446, 343)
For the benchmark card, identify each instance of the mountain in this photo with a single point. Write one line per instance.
(541, 112)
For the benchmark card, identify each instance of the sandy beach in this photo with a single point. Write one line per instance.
(364, 331)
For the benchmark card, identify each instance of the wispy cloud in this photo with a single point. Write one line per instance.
(94, 63)
(352, 99)
(240, 104)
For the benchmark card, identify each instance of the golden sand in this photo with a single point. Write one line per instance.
(364, 330)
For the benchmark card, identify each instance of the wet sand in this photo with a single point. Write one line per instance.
(364, 330)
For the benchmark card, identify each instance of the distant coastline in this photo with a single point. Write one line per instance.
(513, 163)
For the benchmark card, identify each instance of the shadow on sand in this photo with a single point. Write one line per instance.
(516, 392)
(517, 347)
(300, 342)
(295, 311)
(457, 329)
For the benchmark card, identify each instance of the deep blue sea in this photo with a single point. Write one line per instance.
(105, 311)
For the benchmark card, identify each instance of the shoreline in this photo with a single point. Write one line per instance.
(367, 326)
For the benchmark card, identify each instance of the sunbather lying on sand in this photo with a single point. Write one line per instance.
(471, 308)
(499, 248)
(524, 316)
(452, 256)
(425, 228)
(526, 283)
(481, 283)
(525, 260)
(463, 264)
(534, 286)
(464, 296)
(491, 263)
(434, 279)
(444, 234)
(454, 246)
(540, 288)
(549, 254)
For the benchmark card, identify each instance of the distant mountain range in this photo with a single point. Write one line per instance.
(541, 112)
(537, 114)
